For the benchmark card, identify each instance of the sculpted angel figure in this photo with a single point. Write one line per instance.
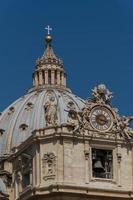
(124, 127)
(73, 117)
(85, 117)
(51, 112)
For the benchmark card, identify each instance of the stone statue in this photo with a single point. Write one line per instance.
(85, 117)
(79, 120)
(124, 128)
(73, 117)
(124, 125)
(101, 94)
(19, 176)
(51, 112)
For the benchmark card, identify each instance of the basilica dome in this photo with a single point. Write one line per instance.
(31, 112)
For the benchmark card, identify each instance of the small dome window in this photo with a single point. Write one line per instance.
(11, 110)
(23, 127)
(71, 105)
(29, 106)
(2, 132)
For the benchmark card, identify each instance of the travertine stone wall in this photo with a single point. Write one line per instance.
(73, 164)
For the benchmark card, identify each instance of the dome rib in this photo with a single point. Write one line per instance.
(23, 118)
(12, 126)
(40, 110)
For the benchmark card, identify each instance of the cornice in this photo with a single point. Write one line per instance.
(60, 132)
(75, 191)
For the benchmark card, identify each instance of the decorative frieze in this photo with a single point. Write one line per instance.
(49, 166)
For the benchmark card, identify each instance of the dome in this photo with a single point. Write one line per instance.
(28, 113)
(32, 111)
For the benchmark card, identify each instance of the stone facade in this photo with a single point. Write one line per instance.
(77, 149)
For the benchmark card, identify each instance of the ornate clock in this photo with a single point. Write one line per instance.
(101, 118)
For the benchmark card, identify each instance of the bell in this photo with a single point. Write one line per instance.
(98, 167)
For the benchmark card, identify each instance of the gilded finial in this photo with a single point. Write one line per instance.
(48, 37)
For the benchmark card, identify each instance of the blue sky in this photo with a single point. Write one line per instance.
(93, 37)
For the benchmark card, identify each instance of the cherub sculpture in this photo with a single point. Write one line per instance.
(124, 128)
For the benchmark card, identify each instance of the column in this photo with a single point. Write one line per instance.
(34, 171)
(36, 79)
(58, 77)
(62, 78)
(15, 184)
(37, 165)
(46, 77)
(40, 78)
(20, 182)
(87, 157)
(119, 164)
(68, 160)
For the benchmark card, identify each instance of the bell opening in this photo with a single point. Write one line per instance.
(102, 163)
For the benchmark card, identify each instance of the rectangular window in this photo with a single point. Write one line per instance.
(49, 77)
(102, 163)
(26, 170)
(26, 179)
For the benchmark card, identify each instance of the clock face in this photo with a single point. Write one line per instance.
(101, 118)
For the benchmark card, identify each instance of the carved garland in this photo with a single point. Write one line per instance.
(49, 166)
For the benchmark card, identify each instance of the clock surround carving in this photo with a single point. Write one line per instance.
(117, 127)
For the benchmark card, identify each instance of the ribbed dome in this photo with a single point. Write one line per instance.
(45, 105)
(28, 113)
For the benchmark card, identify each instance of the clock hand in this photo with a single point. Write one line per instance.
(102, 120)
